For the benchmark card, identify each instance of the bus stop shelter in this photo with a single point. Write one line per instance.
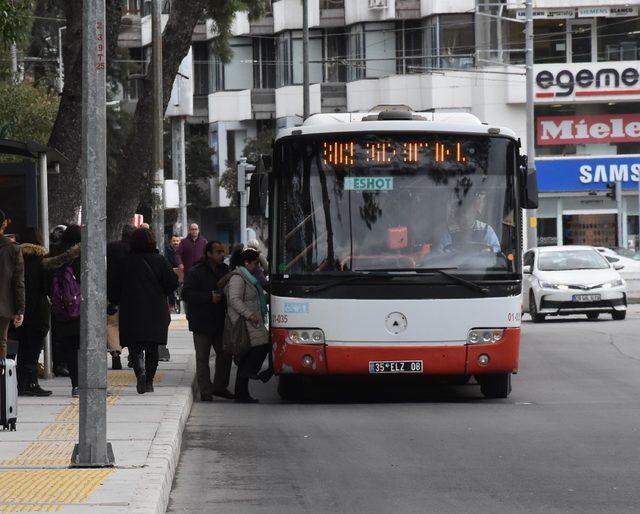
(37, 163)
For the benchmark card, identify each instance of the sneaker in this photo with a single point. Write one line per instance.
(75, 392)
(116, 363)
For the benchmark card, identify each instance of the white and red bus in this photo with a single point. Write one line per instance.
(395, 244)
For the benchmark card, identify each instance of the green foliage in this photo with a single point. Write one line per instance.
(15, 19)
(27, 112)
(252, 151)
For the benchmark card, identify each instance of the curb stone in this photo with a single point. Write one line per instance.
(154, 487)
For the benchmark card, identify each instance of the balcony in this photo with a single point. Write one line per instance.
(358, 11)
(262, 26)
(289, 101)
(429, 7)
(331, 13)
(230, 106)
(408, 9)
(287, 14)
(263, 103)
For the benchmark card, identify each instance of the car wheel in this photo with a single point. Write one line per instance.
(495, 386)
(593, 315)
(533, 310)
(619, 314)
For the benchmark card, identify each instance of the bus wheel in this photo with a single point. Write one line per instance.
(593, 315)
(533, 310)
(495, 386)
(619, 314)
(290, 387)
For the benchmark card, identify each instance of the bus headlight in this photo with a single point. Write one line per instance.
(485, 335)
(305, 336)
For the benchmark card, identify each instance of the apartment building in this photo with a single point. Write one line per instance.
(436, 55)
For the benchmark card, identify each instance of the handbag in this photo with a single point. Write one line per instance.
(235, 338)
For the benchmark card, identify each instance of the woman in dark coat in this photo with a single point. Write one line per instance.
(68, 331)
(144, 285)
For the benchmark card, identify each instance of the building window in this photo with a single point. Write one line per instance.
(289, 52)
(336, 52)
(449, 41)
(550, 42)
(618, 39)
(379, 50)
(238, 73)
(201, 78)
(264, 62)
(355, 48)
(331, 4)
(409, 46)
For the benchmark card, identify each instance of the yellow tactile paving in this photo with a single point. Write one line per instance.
(48, 490)
(55, 443)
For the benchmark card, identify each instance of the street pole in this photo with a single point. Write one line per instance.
(158, 101)
(44, 229)
(179, 169)
(619, 213)
(305, 59)
(242, 190)
(531, 214)
(92, 449)
(60, 85)
(13, 52)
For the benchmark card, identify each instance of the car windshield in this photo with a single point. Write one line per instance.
(395, 202)
(571, 260)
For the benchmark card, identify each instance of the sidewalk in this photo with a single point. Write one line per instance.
(144, 430)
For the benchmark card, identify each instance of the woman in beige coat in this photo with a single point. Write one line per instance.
(246, 303)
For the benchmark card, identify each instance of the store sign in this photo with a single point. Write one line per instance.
(587, 173)
(609, 12)
(587, 81)
(547, 14)
(575, 130)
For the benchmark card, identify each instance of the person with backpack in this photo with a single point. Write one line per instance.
(66, 297)
(141, 292)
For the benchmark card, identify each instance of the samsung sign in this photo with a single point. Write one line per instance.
(587, 173)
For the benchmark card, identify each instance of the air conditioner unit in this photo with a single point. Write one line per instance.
(378, 4)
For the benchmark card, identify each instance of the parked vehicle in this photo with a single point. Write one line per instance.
(564, 280)
(630, 263)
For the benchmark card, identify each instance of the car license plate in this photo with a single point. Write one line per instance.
(395, 366)
(586, 297)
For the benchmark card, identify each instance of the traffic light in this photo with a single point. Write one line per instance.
(611, 190)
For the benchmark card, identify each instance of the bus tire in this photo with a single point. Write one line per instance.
(533, 309)
(495, 386)
(619, 314)
(290, 387)
(593, 315)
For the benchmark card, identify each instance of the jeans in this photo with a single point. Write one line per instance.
(249, 365)
(203, 345)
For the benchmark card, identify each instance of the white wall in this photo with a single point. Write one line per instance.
(230, 106)
(240, 25)
(289, 100)
(362, 95)
(181, 101)
(287, 14)
(429, 7)
(356, 11)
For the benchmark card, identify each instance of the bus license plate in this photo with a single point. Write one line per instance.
(395, 366)
(586, 297)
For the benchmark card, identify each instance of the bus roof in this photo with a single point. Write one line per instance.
(440, 122)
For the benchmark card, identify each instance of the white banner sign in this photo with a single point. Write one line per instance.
(547, 14)
(609, 12)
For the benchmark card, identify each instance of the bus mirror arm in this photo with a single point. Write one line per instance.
(529, 188)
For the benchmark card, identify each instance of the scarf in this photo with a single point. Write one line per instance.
(254, 281)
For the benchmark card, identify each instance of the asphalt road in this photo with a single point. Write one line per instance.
(566, 440)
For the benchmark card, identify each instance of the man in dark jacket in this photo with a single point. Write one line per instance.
(206, 314)
(12, 292)
(190, 249)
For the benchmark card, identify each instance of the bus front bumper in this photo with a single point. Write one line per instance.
(355, 359)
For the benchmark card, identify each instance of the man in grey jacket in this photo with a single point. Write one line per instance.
(12, 295)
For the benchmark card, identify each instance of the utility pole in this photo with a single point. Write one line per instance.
(13, 52)
(179, 168)
(92, 449)
(243, 169)
(531, 214)
(158, 102)
(619, 233)
(44, 230)
(60, 80)
(305, 59)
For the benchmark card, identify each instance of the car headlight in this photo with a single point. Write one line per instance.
(550, 285)
(615, 283)
(305, 336)
(484, 335)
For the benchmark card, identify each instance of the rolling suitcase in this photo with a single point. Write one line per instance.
(8, 394)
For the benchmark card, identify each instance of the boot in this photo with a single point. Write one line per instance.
(138, 368)
(116, 363)
(34, 390)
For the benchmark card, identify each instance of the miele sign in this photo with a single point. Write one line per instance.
(575, 130)
(587, 82)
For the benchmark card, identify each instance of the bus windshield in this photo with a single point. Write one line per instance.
(395, 202)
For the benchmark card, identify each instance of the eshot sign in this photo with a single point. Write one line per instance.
(587, 173)
(368, 184)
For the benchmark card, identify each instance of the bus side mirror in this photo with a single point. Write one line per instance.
(258, 194)
(526, 269)
(529, 191)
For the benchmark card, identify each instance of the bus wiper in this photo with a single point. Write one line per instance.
(341, 281)
(455, 278)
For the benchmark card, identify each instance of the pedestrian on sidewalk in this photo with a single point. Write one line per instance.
(170, 254)
(60, 368)
(190, 249)
(65, 295)
(117, 252)
(206, 310)
(141, 295)
(247, 304)
(12, 293)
